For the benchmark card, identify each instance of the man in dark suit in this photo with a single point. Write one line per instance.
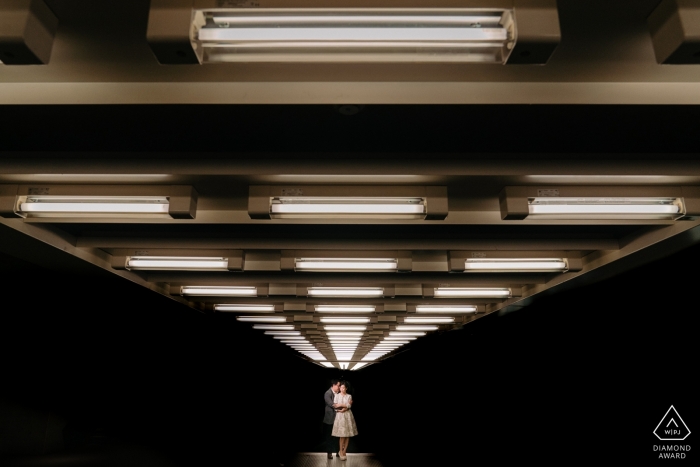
(331, 442)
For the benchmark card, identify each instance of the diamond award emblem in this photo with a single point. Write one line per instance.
(671, 427)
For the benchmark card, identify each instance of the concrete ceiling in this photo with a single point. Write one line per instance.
(104, 112)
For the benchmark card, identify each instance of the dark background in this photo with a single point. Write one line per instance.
(137, 379)
(132, 378)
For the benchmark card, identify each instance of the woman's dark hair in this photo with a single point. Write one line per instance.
(348, 388)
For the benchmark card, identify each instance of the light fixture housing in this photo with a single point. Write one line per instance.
(317, 291)
(262, 319)
(218, 291)
(100, 202)
(178, 260)
(27, 31)
(353, 35)
(293, 31)
(447, 309)
(246, 308)
(516, 265)
(353, 261)
(605, 203)
(345, 308)
(467, 292)
(348, 202)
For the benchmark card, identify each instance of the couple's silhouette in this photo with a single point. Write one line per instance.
(338, 421)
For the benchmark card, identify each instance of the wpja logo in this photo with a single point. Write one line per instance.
(672, 428)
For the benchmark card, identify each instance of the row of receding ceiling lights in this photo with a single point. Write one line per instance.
(524, 263)
(516, 203)
(342, 292)
(344, 340)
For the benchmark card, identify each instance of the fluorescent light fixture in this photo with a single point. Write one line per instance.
(345, 291)
(90, 206)
(352, 35)
(471, 292)
(357, 366)
(283, 333)
(416, 328)
(261, 319)
(446, 309)
(515, 265)
(346, 264)
(401, 338)
(605, 208)
(406, 333)
(294, 207)
(371, 357)
(215, 291)
(245, 308)
(274, 327)
(328, 364)
(176, 263)
(290, 338)
(345, 308)
(344, 334)
(344, 328)
(435, 320)
(344, 320)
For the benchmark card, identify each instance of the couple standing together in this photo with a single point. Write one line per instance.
(338, 421)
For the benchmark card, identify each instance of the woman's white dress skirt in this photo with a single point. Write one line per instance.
(344, 424)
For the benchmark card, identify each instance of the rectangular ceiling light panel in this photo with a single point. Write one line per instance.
(345, 291)
(605, 207)
(302, 207)
(176, 263)
(345, 308)
(515, 265)
(352, 35)
(219, 291)
(346, 264)
(446, 309)
(91, 206)
(245, 308)
(471, 292)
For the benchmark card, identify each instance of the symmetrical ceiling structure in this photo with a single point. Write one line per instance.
(346, 257)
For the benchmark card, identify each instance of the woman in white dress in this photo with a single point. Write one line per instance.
(344, 426)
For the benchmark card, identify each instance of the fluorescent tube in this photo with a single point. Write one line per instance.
(360, 34)
(346, 264)
(605, 208)
(345, 328)
(216, 291)
(471, 292)
(416, 328)
(262, 319)
(90, 206)
(345, 308)
(445, 309)
(176, 263)
(345, 291)
(435, 320)
(515, 265)
(286, 207)
(344, 320)
(258, 308)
